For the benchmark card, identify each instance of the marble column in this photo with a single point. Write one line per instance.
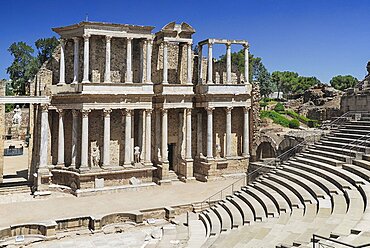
(44, 132)
(158, 134)
(128, 148)
(62, 72)
(86, 59)
(85, 139)
(165, 63)
(188, 134)
(246, 133)
(74, 136)
(228, 131)
(106, 145)
(210, 64)
(107, 78)
(164, 135)
(246, 64)
(148, 136)
(228, 63)
(209, 132)
(200, 66)
(199, 134)
(189, 64)
(129, 61)
(149, 61)
(61, 137)
(75, 59)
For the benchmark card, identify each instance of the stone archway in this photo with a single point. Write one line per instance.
(265, 150)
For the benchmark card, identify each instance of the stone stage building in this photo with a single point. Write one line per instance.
(131, 107)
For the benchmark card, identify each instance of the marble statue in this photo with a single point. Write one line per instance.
(218, 151)
(137, 154)
(17, 117)
(95, 156)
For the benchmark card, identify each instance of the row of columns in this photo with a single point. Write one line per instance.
(165, 63)
(228, 63)
(147, 44)
(128, 132)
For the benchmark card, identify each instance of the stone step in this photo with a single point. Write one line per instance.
(267, 203)
(362, 163)
(281, 204)
(332, 155)
(214, 221)
(337, 150)
(288, 195)
(349, 135)
(244, 209)
(321, 158)
(234, 212)
(354, 130)
(359, 148)
(339, 172)
(197, 234)
(206, 224)
(224, 217)
(355, 126)
(255, 206)
(365, 141)
(359, 171)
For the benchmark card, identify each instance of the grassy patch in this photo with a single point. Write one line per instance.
(309, 122)
(275, 117)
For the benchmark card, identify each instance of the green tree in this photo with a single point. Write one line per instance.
(23, 67)
(343, 82)
(45, 48)
(291, 83)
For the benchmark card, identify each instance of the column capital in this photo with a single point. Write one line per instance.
(129, 39)
(246, 46)
(165, 43)
(60, 112)
(150, 41)
(44, 107)
(246, 109)
(209, 110)
(164, 111)
(75, 39)
(188, 111)
(228, 109)
(75, 112)
(85, 112)
(106, 112)
(126, 112)
(210, 44)
(228, 45)
(149, 111)
(63, 41)
(108, 38)
(86, 36)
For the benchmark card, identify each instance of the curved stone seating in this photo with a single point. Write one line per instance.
(323, 190)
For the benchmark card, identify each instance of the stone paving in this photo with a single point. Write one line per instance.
(64, 206)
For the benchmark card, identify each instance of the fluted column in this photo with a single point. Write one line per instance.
(129, 61)
(210, 64)
(106, 145)
(164, 135)
(165, 62)
(75, 59)
(74, 137)
(188, 134)
(128, 148)
(228, 131)
(107, 78)
(189, 64)
(228, 63)
(246, 133)
(200, 66)
(246, 64)
(85, 139)
(209, 132)
(86, 59)
(148, 136)
(44, 133)
(61, 137)
(143, 45)
(149, 61)
(62, 64)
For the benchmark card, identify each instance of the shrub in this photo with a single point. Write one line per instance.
(301, 118)
(294, 123)
(263, 104)
(275, 117)
(279, 107)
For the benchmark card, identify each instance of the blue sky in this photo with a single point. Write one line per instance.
(314, 38)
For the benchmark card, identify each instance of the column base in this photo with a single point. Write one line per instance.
(59, 166)
(246, 155)
(86, 81)
(84, 169)
(128, 166)
(74, 82)
(61, 83)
